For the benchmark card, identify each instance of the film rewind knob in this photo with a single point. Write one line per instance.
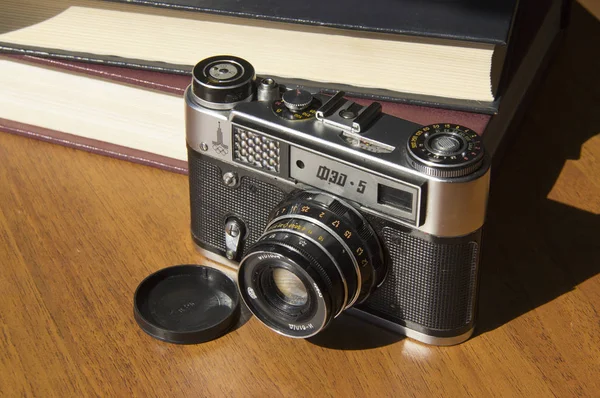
(222, 81)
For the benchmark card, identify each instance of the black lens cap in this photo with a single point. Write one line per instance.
(186, 304)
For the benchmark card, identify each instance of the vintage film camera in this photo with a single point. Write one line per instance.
(324, 205)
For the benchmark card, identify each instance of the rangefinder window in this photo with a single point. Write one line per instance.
(395, 198)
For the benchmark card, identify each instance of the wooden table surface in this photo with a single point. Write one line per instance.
(78, 232)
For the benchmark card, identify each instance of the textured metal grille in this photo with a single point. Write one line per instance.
(255, 149)
(431, 284)
(212, 201)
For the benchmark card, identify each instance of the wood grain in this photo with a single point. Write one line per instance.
(592, 6)
(78, 232)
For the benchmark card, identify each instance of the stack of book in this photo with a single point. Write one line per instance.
(108, 76)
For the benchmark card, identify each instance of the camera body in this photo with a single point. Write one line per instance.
(363, 212)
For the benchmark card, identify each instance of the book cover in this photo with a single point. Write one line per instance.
(448, 26)
(487, 21)
(494, 128)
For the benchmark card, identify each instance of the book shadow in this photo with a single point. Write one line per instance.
(535, 249)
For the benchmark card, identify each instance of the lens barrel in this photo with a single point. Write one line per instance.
(326, 248)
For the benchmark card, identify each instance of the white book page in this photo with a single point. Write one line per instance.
(110, 112)
(421, 66)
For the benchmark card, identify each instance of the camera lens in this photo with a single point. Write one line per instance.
(289, 287)
(317, 257)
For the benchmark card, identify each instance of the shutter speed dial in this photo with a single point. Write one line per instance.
(297, 100)
(296, 104)
(445, 150)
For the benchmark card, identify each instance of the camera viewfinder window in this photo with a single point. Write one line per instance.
(395, 198)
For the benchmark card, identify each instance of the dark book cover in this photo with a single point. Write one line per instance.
(488, 21)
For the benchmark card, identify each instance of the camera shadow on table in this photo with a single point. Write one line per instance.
(535, 249)
(347, 332)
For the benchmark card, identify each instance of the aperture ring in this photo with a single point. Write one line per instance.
(353, 250)
(345, 220)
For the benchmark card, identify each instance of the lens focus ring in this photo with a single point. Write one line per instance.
(328, 236)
